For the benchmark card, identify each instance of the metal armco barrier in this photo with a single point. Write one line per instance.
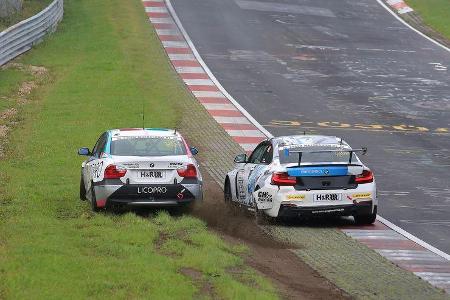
(21, 37)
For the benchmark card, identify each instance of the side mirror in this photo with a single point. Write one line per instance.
(84, 151)
(194, 150)
(241, 158)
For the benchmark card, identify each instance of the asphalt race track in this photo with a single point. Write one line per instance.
(345, 68)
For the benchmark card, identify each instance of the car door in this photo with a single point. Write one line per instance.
(248, 174)
(94, 164)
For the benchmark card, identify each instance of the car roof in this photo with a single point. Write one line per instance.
(310, 140)
(162, 132)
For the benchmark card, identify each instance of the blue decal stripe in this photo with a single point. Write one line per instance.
(318, 171)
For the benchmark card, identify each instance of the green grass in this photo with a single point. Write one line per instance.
(435, 13)
(29, 8)
(104, 62)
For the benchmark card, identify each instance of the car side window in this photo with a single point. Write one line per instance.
(267, 155)
(258, 153)
(100, 145)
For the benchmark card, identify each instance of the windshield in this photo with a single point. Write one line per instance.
(147, 146)
(343, 156)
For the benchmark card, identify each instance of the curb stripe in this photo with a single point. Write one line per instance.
(163, 25)
(203, 88)
(185, 63)
(206, 82)
(190, 70)
(205, 100)
(208, 94)
(219, 106)
(400, 6)
(186, 76)
(174, 44)
(178, 50)
(156, 20)
(154, 9)
(158, 15)
(181, 56)
(170, 37)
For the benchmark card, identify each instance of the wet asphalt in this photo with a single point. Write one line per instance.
(345, 68)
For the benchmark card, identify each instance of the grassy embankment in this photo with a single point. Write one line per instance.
(29, 8)
(435, 13)
(103, 62)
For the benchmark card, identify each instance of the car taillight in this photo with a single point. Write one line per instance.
(365, 177)
(189, 172)
(114, 172)
(282, 178)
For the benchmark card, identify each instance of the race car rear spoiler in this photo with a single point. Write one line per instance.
(363, 150)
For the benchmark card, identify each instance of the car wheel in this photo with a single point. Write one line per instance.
(227, 191)
(261, 218)
(82, 189)
(93, 200)
(366, 219)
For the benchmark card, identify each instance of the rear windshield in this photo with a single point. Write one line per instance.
(287, 157)
(147, 146)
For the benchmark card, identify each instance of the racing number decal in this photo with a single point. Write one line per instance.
(97, 169)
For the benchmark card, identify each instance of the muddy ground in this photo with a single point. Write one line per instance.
(293, 278)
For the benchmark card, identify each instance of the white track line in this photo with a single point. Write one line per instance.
(413, 238)
(269, 135)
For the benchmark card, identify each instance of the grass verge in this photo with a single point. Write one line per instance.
(103, 63)
(29, 8)
(435, 13)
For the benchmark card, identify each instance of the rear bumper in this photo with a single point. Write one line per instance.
(153, 195)
(362, 208)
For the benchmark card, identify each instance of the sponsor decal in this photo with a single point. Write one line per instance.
(152, 174)
(240, 185)
(131, 165)
(175, 164)
(264, 196)
(295, 197)
(180, 195)
(152, 190)
(319, 171)
(361, 196)
(327, 197)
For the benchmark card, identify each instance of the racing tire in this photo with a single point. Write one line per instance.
(227, 192)
(82, 190)
(261, 218)
(94, 206)
(366, 219)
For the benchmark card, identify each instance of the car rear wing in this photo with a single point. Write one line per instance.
(362, 150)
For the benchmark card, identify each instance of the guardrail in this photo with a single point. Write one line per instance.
(21, 37)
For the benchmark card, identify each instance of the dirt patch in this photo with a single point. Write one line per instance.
(206, 288)
(275, 260)
(164, 237)
(239, 273)
(21, 97)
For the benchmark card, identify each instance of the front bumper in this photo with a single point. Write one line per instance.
(292, 211)
(154, 195)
